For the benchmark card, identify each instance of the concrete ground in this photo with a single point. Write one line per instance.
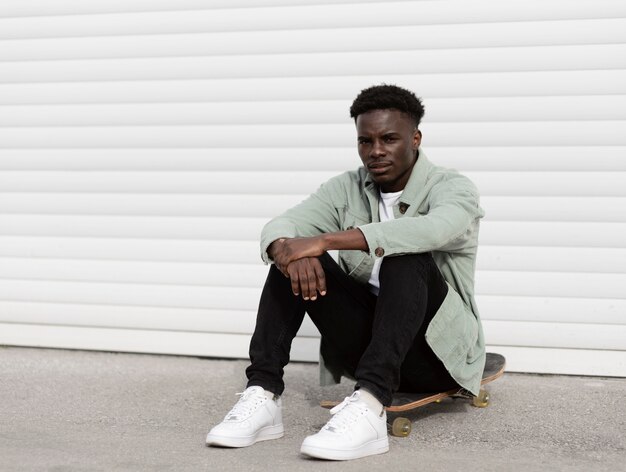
(67, 411)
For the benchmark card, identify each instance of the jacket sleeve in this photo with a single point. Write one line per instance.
(450, 224)
(317, 214)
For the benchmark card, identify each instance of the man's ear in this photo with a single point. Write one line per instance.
(417, 139)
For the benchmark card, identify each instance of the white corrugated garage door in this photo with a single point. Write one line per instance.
(145, 143)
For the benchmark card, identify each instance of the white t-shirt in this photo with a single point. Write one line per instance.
(385, 210)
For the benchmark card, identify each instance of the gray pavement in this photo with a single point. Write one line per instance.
(67, 411)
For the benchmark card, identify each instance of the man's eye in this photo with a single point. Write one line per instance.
(363, 141)
(389, 139)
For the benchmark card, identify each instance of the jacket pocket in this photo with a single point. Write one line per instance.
(352, 220)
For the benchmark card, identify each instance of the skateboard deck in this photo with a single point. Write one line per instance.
(402, 401)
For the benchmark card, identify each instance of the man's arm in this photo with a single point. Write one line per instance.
(285, 251)
(449, 225)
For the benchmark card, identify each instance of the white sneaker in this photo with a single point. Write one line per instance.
(253, 418)
(354, 431)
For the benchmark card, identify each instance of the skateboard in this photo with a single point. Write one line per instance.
(401, 426)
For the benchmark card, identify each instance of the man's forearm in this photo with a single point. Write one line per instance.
(347, 240)
(286, 250)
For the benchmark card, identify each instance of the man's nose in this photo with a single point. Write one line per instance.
(378, 149)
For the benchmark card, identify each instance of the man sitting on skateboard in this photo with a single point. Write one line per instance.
(396, 313)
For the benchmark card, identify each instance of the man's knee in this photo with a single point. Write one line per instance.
(327, 261)
(409, 268)
(421, 261)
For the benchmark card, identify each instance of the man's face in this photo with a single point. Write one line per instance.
(387, 144)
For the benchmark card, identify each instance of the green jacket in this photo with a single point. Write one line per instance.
(437, 212)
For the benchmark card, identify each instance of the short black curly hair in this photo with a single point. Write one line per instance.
(385, 97)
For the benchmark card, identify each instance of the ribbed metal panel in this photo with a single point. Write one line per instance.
(143, 145)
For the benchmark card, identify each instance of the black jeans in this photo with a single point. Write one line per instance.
(379, 341)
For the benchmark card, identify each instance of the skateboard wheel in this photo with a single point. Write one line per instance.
(401, 427)
(482, 399)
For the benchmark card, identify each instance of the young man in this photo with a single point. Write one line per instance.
(397, 313)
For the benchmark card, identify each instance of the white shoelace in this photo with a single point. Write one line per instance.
(345, 414)
(247, 404)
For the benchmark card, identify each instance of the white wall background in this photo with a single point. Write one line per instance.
(143, 144)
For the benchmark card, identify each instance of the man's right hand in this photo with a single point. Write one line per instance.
(307, 278)
(272, 250)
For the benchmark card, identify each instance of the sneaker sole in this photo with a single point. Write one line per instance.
(379, 446)
(264, 434)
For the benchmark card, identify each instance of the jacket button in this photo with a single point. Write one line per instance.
(380, 252)
(403, 208)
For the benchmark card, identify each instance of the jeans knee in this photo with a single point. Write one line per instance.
(327, 261)
(398, 264)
